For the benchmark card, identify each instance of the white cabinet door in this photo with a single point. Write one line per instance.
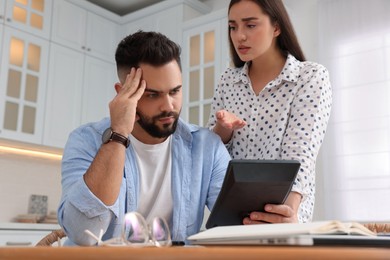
(32, 16)
(98, 90)
(1, 41)
(64, 94)
(101, 37)
(168, 22)
(69, 23)
(84, 31)
(79, 90)
(21, 238)
(202, 57)
(23, 73)
(2, 11)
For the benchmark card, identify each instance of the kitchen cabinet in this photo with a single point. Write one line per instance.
(2, 11)
(1, 40)
(167, 22)
(23, 73)
(98, 89)
(79, 89)
(166, 17)
(24, 234)
(32, 16)
(84, 31)
(205, 56)
(24, 31)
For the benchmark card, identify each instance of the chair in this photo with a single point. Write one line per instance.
(54, 236)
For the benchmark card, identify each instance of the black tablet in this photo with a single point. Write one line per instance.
(248, 186)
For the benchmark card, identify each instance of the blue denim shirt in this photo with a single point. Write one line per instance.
(199, 162)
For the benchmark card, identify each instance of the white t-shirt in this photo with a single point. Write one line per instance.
(155, 195)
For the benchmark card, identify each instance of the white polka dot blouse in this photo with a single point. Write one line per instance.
(286, 120)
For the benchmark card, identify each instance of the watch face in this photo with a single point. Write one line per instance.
(107, 135)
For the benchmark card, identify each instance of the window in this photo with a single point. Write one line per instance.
(355, 47)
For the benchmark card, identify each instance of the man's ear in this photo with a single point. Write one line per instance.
(118, 87)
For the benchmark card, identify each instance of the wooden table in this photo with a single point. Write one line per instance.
(222, 252)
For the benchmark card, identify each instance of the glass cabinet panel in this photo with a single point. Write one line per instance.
(33, 57)
(36, 21)
(206, 112)
(19, 14)
(22, 2)
(38, 5)
(209, 43)
(194, 85)
(194, 115)
(209, 83)
(32, 16)
(16, 52)
(200, 70)
(31, 90)
(23, 74)
(14, 83)
(28, 125)
(11, 116)
(35, 9)
(195, 50)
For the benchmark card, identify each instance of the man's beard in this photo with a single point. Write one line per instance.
(150, 126)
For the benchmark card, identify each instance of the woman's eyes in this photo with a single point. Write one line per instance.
(232, 28)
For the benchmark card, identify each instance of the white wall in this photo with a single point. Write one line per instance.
(21, 176)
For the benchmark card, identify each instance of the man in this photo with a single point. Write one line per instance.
(143, 158)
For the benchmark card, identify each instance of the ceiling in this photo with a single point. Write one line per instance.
(123, 7)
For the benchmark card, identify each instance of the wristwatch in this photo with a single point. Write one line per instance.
(110, 135)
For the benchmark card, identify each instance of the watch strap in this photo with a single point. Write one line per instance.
(120, 139)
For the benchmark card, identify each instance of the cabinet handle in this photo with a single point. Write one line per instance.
(89, 49)
(9, 20)
(1, 17)
(18, 243)
(83, 47)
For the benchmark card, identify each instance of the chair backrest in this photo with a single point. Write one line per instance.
(54, 236)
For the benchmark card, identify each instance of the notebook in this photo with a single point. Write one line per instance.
(248, 186)
(331, 233)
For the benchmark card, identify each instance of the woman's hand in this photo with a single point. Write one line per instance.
(226, 124)
(286, 213)
(229, 120)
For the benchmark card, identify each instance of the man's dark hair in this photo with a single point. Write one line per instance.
(150, 48)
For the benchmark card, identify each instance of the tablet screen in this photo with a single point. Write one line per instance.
(248, 186)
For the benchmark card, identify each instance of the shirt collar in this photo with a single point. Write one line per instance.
(290, 72)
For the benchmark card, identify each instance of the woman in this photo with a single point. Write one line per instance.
(273, 104)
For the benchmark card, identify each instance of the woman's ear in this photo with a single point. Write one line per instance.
(277, 30)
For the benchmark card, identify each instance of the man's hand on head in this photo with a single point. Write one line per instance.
(124, 105)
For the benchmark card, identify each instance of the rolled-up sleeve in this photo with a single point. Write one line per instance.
(79, 208)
